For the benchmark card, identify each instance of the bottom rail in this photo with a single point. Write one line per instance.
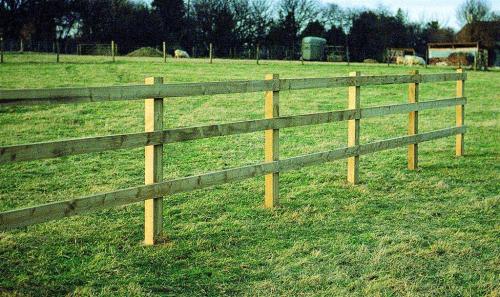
(56, 210)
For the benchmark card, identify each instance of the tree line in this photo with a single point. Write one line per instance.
(232, 26)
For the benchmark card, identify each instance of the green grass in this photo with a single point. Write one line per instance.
(432, 232)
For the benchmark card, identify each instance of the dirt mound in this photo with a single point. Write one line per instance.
(145, 52)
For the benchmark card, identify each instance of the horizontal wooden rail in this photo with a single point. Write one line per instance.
(43, 213)
(333, 82)
(128, 92)
(53, 149)
(135, 92)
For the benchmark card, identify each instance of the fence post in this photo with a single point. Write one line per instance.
(1, 49)
(413, 123)
(460, 114)
(353, 131)
(58, 51)
(257, 55)
(211, 53)
(271, 146)
(426, 56)
(113, 50)
(348, 57)
(153, 208)
(164, 52)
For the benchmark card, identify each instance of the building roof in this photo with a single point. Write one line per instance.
(452, 44)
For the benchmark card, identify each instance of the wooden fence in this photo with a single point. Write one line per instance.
(155, 136)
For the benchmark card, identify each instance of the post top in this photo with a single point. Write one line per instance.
(153, 80)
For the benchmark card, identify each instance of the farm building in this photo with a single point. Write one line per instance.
(487, 34)
(457, 54)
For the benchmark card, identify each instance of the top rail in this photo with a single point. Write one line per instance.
(135, 92)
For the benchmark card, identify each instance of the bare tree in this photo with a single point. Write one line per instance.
(303, 11)
(261, 16)
(333, 15)
(473, 10)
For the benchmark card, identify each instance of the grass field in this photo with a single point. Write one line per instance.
(431, 232)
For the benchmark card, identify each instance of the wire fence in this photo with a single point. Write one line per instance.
(259, 52)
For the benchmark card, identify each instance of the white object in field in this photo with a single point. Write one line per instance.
(180, 54)
(413, 60)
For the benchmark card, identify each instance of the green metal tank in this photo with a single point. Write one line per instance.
(313, 48)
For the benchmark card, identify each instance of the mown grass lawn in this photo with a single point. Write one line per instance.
(432, 232)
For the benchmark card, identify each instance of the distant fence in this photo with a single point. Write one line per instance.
(156, 135)
(74, 47)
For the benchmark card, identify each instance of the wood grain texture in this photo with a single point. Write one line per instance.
(56, 210)
(153, 171)
(460, 116)
(413, 124)
(271, 144)
(136, 92)
(55, 149)
(353, 131)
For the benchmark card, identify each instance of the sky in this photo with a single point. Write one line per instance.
(418, 10)
(443, 11)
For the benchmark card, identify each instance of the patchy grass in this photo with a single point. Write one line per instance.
(432, 232)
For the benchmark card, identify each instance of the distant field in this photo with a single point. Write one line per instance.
(432, 232)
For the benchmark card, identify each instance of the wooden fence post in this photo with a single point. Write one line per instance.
(211, 53)
(257, 55)
(271, 146)
(353, 131)
(153, 208)
(164, 52)
(58, 51)
(459, 141)
(1, 49)
(413, 123)
(113, 50)
(348, 57)
(427, 56)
